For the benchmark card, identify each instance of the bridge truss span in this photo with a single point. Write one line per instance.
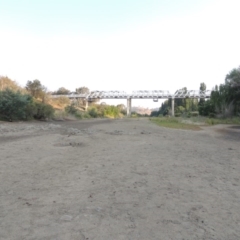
(154, 94)
(108, 95)
(192, 94)
(140, 94)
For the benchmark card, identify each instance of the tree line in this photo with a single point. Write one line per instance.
(27, 103)
(223, 102)
(35, 102)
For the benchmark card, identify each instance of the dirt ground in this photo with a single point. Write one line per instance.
(118, 179)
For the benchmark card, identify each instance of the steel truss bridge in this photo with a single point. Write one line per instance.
(141, 94)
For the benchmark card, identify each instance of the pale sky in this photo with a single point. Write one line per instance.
(120, 44)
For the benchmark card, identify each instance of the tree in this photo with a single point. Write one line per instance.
(165, 108)
(203, 86)
(122, 109)
(180, 101)
(225, 98)
(62, 91)
(7, 83)
(233, 78)
(201, 102)
(82, 90)
(154, 114)
(36, 89)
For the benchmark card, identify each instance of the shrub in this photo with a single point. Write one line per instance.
(177, 114)
(111, 111)
(43, 111)
(194, 114)
(86, 115)
(14, 105)
(93, 112)
(154, 114)
(79, 115)
(210, 121)
(71, 109)
(212, 115)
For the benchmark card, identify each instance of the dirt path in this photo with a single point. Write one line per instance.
(118, 179)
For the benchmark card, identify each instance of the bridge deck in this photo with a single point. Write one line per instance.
(142, 94)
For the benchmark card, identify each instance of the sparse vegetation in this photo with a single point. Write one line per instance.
(172, 122)
(94, 111)
(34, 101)
(214, 121)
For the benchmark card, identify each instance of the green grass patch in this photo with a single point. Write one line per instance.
(214, 121)
(174, 123)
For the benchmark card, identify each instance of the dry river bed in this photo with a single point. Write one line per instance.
(118, 179)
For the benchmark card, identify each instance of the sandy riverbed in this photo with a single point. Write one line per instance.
(118, 179)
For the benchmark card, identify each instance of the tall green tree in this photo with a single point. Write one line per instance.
(165, 107)
(225, 98)
(232, 82)
(233, 77)
(201, 102)
(203, 86)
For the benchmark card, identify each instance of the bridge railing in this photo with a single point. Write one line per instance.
(140, 94)
(192, 94)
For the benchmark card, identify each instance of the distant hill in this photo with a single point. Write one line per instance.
(142, 110)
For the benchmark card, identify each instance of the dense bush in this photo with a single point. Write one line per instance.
(212, 115)
(71, 109)
(18, 106)
(194, 114)
(43, 111)
(79, 115)
(206, 107)
(14, 105)
(93, 112)
(154, 114)
(104, 111)
(111, 111)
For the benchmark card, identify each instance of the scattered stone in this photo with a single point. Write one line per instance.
(66, 218)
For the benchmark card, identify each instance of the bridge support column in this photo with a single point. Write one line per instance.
(172, 107)
(86, 105)
(129, 107)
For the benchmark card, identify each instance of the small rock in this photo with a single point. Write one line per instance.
(66, 218)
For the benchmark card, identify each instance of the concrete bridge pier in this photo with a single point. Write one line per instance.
(172, 107)
(86, 104)
(129, 107)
